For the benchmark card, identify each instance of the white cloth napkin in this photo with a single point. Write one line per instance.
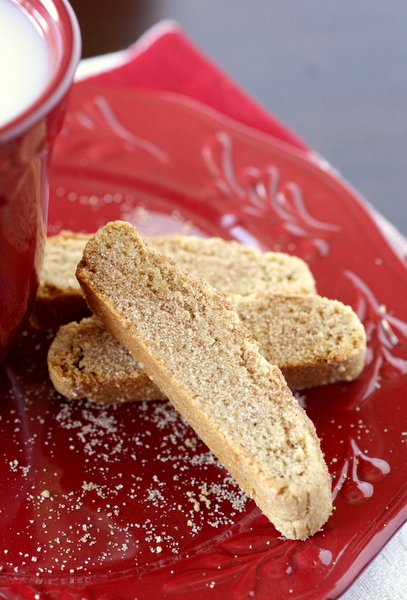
(386, 577)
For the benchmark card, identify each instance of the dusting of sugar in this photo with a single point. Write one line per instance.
(108, 487)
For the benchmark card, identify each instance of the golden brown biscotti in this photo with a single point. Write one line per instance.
(190, 341)
(235, 268)
(86, 361)
(314, 341)
(59, 297)
(231, 267)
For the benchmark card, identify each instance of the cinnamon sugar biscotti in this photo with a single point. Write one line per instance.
(314, 341)
(86, 361)
(190, 341)
(231, 267)
(235, 268)
(59, 296)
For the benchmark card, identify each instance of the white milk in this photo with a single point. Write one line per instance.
(23, 61)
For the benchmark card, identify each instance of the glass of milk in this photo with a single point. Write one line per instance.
(39, 52)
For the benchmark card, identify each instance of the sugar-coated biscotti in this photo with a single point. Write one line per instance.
(231, 267)
(59, 297)
(190, 341)
(314, 341)
(234, 268)
(86, 361)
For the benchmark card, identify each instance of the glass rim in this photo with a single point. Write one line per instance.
(61, 20)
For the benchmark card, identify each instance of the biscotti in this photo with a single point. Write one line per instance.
(190, 341)
(86, 361)
(231, 267)
(59, 297)
(314, 341)
(235, 268)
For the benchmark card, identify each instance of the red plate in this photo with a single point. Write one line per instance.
(125, 502)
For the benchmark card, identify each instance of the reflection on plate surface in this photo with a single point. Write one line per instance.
(125, 501)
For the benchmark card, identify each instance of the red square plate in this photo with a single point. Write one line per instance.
(124, 502)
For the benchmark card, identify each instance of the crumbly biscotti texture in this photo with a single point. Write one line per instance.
(59, 297)
(231, 267)
(313, 340)
(190, 341)
(235, 268)
(86, 361)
